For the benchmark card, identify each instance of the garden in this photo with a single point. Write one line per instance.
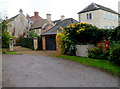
(106, 52)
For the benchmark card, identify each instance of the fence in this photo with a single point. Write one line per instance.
(31, 43)
(27, 42)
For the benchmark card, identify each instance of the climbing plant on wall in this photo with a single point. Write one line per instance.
(76, 33)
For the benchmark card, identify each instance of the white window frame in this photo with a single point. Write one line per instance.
(89, 16)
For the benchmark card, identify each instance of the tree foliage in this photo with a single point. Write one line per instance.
(32, 34)
(83, 33)
(5, 35)
(76, 33)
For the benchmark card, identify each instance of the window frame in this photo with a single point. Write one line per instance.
(89, 16)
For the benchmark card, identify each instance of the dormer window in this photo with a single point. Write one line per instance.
(89, 15)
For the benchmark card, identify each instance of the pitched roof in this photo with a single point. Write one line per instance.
(39, 23)
(63, 24)
(94, 6)
(13, 17)
(56, 21)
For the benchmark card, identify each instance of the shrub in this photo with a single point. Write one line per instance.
(115, 53)
(5, 35)
(32, 34)
(5, 39)
(76, 33)
(98, 53)
(115, 34)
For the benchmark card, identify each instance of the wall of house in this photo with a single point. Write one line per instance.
(98, 19)
(110, 20)
(18, 25)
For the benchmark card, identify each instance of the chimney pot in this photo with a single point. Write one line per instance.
(62, 17)
(36, 14)
(49, 18)
(21, 11)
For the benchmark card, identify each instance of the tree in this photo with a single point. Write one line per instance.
(5, 35)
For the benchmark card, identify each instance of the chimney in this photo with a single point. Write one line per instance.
(36, 14)
(62, 17)
(20, 11)
(49, 18)
(27, 16)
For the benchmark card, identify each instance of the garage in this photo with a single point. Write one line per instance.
(50, 43)
(49, 37)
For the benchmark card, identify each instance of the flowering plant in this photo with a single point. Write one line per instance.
(73, 34)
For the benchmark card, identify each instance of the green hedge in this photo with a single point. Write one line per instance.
(27, 42)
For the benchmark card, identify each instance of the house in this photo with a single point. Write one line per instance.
(38, 24)
(49, 37)
(17, 25)
(99, 16)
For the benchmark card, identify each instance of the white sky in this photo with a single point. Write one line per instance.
(56, 8)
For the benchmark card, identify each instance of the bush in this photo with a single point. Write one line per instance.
(5, 35)
(115, 34)
(76, 33)
(5, 39)
(115, 53)
(32, 34)
(98, 53)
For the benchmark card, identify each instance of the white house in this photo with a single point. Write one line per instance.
(17, 25)
(99, 16)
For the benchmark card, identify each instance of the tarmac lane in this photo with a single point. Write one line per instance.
(44, 71)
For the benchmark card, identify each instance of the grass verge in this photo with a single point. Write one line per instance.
(102, 64)
(9, 52)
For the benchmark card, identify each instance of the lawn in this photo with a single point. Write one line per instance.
(102, 64)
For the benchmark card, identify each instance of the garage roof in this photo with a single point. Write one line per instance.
(63, 24)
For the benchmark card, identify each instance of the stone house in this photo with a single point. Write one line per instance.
(38, 24)
(99, 16)
(49, 37)
(17, 25)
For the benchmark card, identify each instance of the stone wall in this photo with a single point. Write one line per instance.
(82, 50)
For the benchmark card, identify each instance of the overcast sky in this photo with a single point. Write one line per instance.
(56, 8)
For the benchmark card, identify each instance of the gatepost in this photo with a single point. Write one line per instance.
(11, 43)
(35, 41)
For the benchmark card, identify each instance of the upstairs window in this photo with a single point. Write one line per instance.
(89, 16)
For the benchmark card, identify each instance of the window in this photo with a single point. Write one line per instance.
(89, 16)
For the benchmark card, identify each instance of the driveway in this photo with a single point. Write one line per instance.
(44, 71)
